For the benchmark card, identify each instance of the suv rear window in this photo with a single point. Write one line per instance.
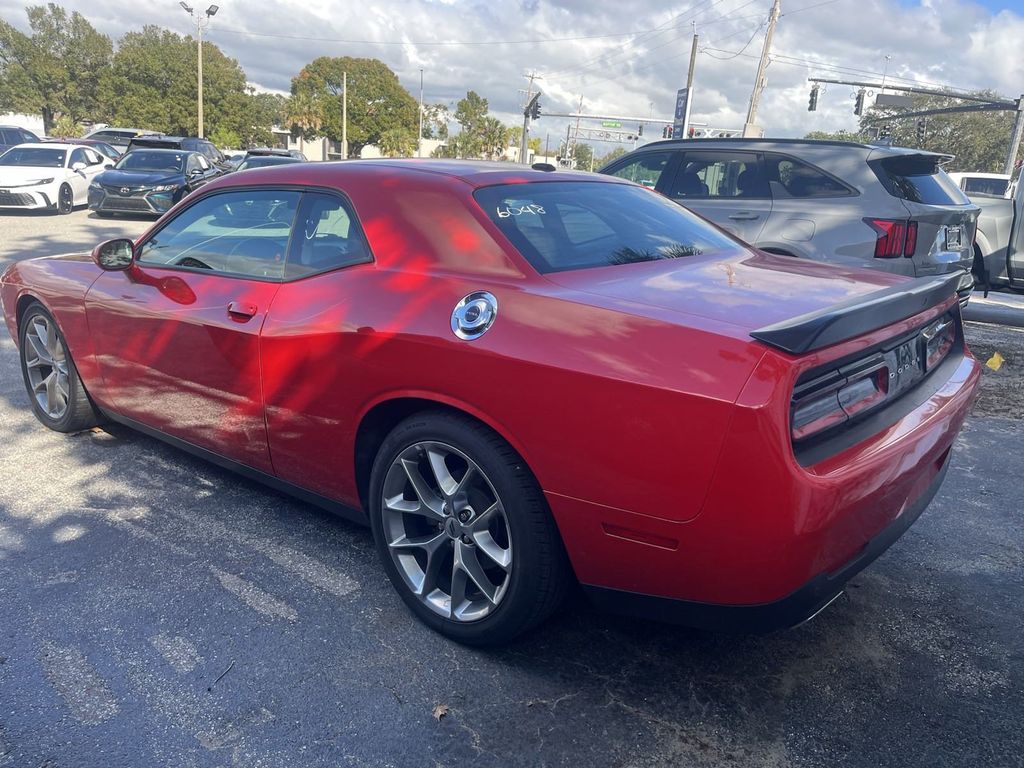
(562, 225)
(919, 179)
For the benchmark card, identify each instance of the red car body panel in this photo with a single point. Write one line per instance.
(657, 427)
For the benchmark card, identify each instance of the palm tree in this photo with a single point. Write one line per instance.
(304, 112)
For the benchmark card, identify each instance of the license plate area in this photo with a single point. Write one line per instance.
(954, 238)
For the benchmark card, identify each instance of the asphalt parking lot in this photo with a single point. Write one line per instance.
(156, 610)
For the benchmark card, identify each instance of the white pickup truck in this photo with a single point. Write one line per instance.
(999, 243)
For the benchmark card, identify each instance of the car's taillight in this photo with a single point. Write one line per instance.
(827, 402)
(896, 237)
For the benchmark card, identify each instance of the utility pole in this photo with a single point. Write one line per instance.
(576, 135)
(689, 81)
(202, 20)
(524, 155)
(344, 115)
(1015, 138)
(419, 137)
(750, 129)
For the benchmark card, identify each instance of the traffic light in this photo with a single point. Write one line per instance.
(532, 108)
(640, 130)
(812, 100)
(666, 132)
(921, 126)
(690, 132)
(858, 107)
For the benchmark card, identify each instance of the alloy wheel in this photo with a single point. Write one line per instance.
(446, 531)
(46, 362)
(66, 200)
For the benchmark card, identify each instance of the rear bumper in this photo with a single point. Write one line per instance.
(795, 608)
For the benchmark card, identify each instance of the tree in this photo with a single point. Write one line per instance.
(435, 121)
(56, 70)
(377, 102)
(304, 114)
(515, 139)
(616, 153)
(152, 84)
(979, 140)
(397, 142)
(583, 154)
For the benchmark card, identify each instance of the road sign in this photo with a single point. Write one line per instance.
(681, 113)
(893, 100)
(611, 124)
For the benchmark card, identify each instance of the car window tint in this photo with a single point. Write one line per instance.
(237, 233)
(793, 178)
(7, 137)
(705, 174)
(645, 169)
(574, 225)
(78, 156)
(203, 162)
(327, 236)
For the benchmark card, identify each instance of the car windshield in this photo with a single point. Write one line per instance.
(574, 225)
(39, 157)
(140, 160)
(258, 161)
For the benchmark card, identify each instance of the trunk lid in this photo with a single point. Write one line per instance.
(747, 290)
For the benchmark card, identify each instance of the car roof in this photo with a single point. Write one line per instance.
(783, 144)
(46, 145)
(334, 173)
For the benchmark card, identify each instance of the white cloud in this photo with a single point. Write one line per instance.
(955, 42)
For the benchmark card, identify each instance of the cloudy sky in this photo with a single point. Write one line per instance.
(622, 58)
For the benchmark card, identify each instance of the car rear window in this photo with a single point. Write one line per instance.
(977, 185)
(561, 225)
(919, 179)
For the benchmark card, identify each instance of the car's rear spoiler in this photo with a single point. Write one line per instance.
(860, 315)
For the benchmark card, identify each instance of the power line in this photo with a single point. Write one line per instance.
(741, 50)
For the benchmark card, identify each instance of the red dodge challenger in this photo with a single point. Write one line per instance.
(518, 378)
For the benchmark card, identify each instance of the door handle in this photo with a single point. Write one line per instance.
(744, 216)
(241, 309)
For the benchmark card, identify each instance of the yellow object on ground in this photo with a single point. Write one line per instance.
(995, 362)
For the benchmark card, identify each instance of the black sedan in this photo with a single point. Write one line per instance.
(149, 181)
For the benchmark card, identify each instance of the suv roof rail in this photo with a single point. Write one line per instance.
(739, 140)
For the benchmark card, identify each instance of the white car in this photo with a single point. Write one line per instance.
(53, 177)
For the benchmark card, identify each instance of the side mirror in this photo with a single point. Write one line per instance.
(78, 166)
(114, 255)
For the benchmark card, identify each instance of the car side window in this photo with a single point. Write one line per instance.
(193, 164)
(244, 233)
(793, 178)
(78, 156)
(93, 157)
(327, 236)
(718, 175)
(645, 169)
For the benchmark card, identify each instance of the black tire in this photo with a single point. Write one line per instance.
(80, 413)
(540, 575)
(65, 200)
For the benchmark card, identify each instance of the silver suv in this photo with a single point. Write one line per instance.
(889, 208)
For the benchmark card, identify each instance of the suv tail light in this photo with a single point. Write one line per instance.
(896, 237)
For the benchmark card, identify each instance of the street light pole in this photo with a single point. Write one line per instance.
(201, 22)
(419, 137)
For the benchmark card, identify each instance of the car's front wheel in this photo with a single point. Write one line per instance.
(464, 531)
(65, 200)
(58, 398)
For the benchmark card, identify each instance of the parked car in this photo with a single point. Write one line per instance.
(109, 151)
(45, 176)
(987, 184)
(999, 246)
(186, 143)
(518, 378)
(149, 181)
(118, 137)
(12, 135)
(262, 159)
(275, 152)
(888, 208)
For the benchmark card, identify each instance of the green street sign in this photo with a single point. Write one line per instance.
(611, 124)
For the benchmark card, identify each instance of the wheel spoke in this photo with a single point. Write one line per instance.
(51, 394)
(426, 543)
(427, 496)
(38, 346)
(43, 385)
(501, 556)
(466, 559)
(445, 481)
(405, 506)
(459, 580)
(52, 344)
